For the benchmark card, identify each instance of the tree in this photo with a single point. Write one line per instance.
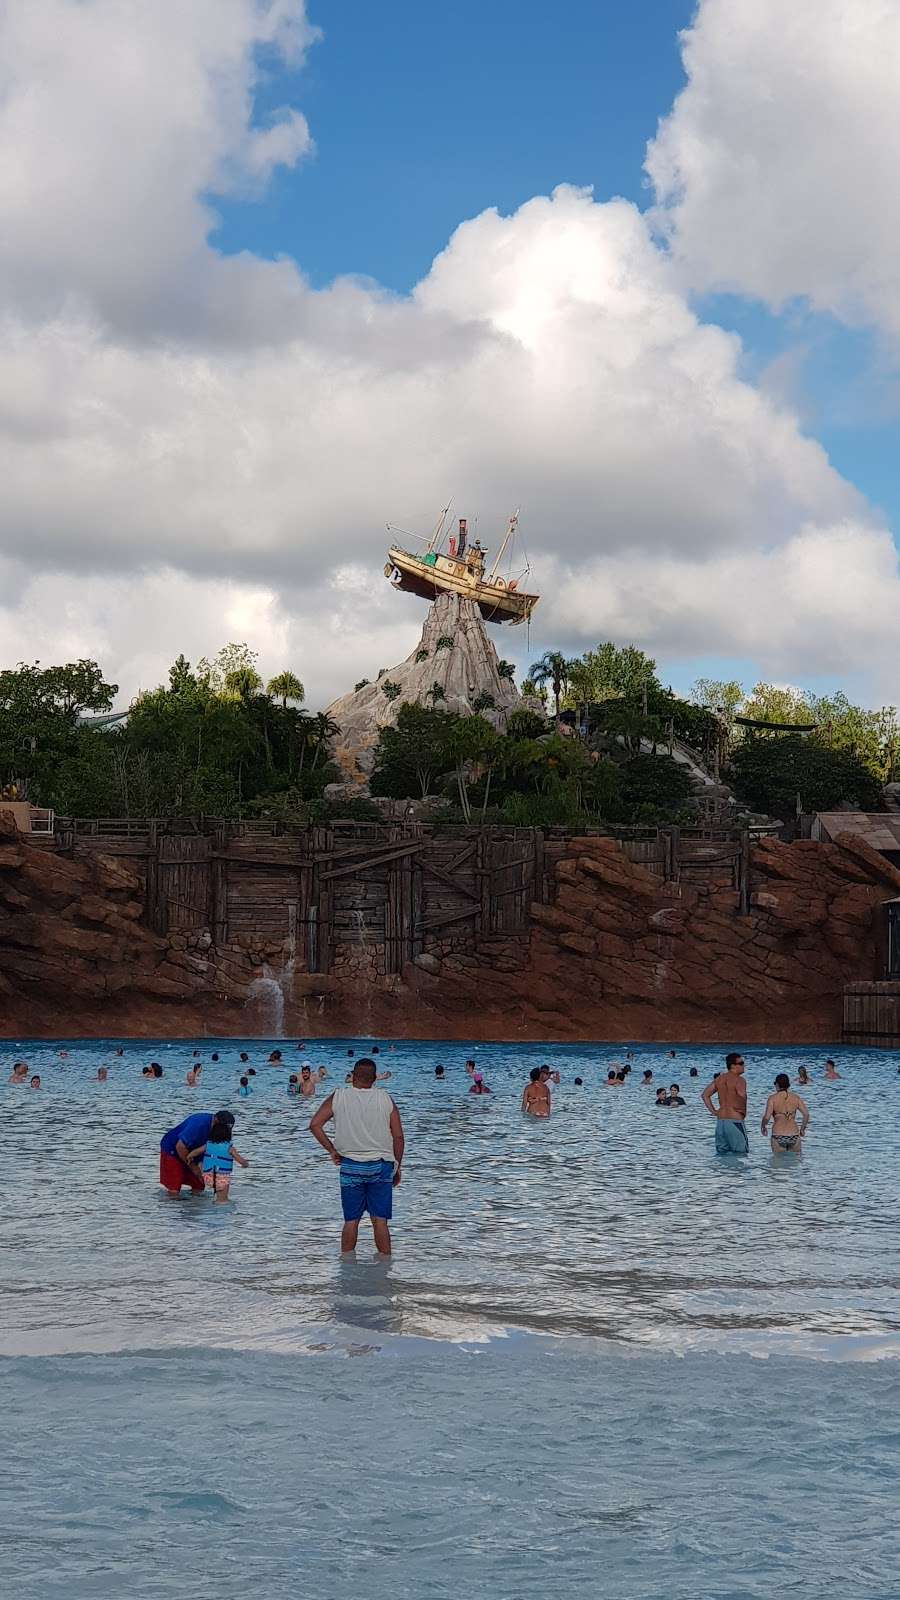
(614, 670)
(410, 755)
(240, 683)
(770, 773)
(725, 696)
(232, 658)
(285, 686)
(553, 668)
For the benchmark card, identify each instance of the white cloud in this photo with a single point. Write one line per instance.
(195, 448)
(777, 167)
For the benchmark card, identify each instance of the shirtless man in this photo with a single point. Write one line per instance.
(19, 1072)
(782, 1109)
(730, 1090)
(536, 1095)
(307, 1083)
(831, 1071)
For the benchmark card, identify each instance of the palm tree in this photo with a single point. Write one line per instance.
(553, 668)
(242, 682)
(323, 729)
(285, 686)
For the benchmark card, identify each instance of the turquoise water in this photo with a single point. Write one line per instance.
(592, 1334)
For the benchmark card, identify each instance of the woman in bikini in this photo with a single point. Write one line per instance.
(782, 1110)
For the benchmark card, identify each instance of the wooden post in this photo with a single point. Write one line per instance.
(744, 874)
(675, 858)
(484, 864)
(325, 904)
(538, 888)
(218, 884)
(155, 909)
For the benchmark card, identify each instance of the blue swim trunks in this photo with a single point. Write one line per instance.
(367, 1186)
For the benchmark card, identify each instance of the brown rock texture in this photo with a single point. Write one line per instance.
(615, 953)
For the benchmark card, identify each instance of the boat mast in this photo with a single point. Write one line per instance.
(438, 534)
(511, 528)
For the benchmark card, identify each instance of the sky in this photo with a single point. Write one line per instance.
(274, 275)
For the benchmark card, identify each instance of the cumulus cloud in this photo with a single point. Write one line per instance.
(195, 448)
(776, 170)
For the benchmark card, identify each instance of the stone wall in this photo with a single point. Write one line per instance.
(615, 953)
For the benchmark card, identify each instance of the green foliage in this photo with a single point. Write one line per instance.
(445, 642)
(609, 672)
(505, 669)
(525, 724)
(390, 689)
(284, 687)
(420, 655)
(654, 788)
(435, 694)
(362, 684)
(553, 668)
(39, 710)
(769, 773)
(411, 755)
(483, 702)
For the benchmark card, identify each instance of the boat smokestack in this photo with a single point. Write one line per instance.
(461, 547)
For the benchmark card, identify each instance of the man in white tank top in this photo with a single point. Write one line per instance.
(368, 1147)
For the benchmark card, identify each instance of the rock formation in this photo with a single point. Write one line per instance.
(454, 666)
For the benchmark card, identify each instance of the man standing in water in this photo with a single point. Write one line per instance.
(730, 1090)
(368, 1148)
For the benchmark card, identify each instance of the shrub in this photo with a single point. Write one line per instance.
(390, 689)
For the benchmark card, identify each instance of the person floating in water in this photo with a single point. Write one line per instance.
(675, 1096)
(803, 1078)
(831, 1071)
(193, 1075)
(439, 1074)
(275, 1058)
(35, 1082)
(102, 1075)
(244, 1088)
(730, 1090)
(536, 1095)
(782, 1110)
(368, 1148)
(219, 1157)
(661, 1097)
(613, 1081)
(181, 1147)
(19, 1072)
(647, 1080)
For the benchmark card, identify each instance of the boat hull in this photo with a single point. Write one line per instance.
(496, 601)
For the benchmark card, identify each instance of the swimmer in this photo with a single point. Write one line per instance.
(831, 1071)
(536, 1095)
(219, 1158)
(547, 1074)
(102, 1075)
(439, 1074)
(579, 1083)
(675, 1096)
(613, 1081)
(470, 1067)
(120, 1051)
(307, 1083)
(730, 1090)
(803, 1078)
(321, 1074)
(477, 1086)
(661, 1098)
(293, 1084)
(214, 1056)
(19, 1072)
(275, 1058)
(244, 1089)
(251, 1073)
(671, 1055)
(193, 1075)
(693, 1073)
(35, 1082)
(62, 1054)
(244, 1056)
(380, 1077)
(156, 1069)
(647, 1080)
(782, 1110)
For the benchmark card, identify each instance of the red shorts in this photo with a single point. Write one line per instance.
(173, 1173)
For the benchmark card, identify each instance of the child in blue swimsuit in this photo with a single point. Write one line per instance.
(219, 1158)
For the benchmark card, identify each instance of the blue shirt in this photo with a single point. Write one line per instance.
(193, 1131)
(243, 1091)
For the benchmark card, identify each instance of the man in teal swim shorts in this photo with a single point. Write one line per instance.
(368, 1147)
(730, 1090)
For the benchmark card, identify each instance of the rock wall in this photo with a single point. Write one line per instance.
(616, 953)
(463, 669)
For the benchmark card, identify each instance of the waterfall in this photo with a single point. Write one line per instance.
(268, 990)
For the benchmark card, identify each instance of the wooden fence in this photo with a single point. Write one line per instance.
(406, 887)
(872, 1014)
